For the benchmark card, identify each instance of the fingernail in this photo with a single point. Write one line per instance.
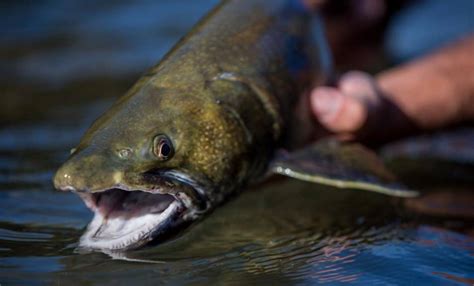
(326, 103)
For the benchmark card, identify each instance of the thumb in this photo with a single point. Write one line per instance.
(337, 111)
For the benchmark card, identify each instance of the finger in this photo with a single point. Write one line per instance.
(359, 85)
(336, 111)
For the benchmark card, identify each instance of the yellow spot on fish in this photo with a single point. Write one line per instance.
(118, 176)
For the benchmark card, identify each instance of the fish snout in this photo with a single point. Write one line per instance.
(86, 175)
(63, 180)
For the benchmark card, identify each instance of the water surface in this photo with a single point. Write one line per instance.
(64, 62)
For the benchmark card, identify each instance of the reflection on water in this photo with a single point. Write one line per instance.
(282, 232)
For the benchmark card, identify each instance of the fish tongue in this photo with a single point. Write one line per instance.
(144, 203)
(161, 204)
(110, 201)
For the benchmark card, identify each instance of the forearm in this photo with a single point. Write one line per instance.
(435, 91)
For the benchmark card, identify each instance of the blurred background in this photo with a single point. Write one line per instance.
(54, 53)
(62, 63)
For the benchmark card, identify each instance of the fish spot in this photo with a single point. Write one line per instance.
(118, 176)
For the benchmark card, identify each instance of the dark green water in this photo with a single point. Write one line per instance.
(63, 63)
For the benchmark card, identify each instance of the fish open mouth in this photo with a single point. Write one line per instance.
(128, 219)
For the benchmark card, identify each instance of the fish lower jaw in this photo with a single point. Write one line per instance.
(119, 234)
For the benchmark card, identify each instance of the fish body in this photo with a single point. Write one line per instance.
(202, 124)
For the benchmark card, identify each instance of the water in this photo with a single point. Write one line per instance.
(61, 69)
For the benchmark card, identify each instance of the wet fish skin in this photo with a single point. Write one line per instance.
(223, 96)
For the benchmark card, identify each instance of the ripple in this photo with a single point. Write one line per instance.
(44, 136)
(43, 208)
(28, 177)
(10, 235)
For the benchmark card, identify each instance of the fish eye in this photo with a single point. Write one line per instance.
(162, 147)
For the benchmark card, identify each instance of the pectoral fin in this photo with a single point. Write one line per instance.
(342, 165)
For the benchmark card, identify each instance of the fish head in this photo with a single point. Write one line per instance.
(156, 161)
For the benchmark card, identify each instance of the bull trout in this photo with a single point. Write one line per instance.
(207, 121)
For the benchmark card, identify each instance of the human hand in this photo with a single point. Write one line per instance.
(430, 93)
(348, 109)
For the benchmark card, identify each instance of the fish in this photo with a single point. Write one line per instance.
(215, 115)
